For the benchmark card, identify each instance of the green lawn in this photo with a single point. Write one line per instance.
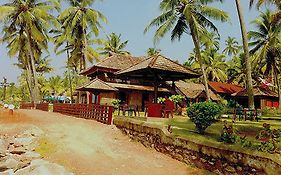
(184, 127)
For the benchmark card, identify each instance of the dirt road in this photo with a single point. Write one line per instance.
(87, 147)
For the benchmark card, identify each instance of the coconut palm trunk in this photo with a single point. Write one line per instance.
(249, 82)
(69, 73)
(278, 87)
(29, 80)
(194, 35)
(36, 94)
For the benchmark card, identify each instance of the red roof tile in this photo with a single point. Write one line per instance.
(224, 88)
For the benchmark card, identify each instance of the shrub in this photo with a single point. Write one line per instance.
(271, 111)
(176, 98)
(269, 139)
(161, 100)
(228, 134)
(116, 103)
(203, 114)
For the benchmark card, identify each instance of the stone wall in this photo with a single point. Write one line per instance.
(218, 159)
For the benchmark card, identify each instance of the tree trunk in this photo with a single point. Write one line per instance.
(36, 94)
(249, 82)
(84, 49)
(29, 80)
(278, 87)
(195, 39)
(69, 73)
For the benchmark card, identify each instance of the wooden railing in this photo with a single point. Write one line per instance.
(250, 114)
(27, 106)
(43, 106)
(100, 113)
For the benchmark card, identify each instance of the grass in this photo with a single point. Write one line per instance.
(45, 147)
(185, 128)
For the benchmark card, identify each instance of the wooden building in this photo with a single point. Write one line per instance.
(224, 90)
(104, 86)
(194, 92)
(264, 98)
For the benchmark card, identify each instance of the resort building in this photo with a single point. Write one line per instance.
(104, 85)
(224, 90)
(194, 92)
(264, 98)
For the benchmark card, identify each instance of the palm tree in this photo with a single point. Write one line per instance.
(25, 26)
(79, 21)
(190, 17)
(210, 40)
(152, 51)
(113, 44)
(232, 47)
(249, 83)
(276, 16)
(266, 48)
(215, 65)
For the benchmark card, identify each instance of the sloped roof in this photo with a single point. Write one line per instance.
(258, 91)
(97, 84)
(115, 62)
(136, 87)
(224, 87)
(193, 90)
(161, 65)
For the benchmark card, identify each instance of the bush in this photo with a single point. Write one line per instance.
(228, 134)
(176, 98)
(116, 103)
(203, 114)
(271, 111)
(269, 139)
(161, 100)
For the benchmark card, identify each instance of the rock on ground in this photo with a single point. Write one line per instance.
(42, 167)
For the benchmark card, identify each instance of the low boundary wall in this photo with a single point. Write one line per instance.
(219, 159)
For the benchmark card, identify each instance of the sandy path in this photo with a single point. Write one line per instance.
(87, 147)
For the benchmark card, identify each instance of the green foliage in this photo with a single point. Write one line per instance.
(232, 104)
(269, 138)
(271, 111)
(116, 103)
(228, 134)
(176, 98)
(113, 44)
(161, 100)
(204, 114)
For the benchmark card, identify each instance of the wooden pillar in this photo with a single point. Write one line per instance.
(155, 91)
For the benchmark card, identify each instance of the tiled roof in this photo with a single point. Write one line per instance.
(97, 84)
(164, 67)
(258, 91)
(115, 62)
(224, 88)
(193, 90)
(136, 87)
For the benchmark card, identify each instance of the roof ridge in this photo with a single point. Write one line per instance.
(153, 60)
(103, 60)
(97, 79)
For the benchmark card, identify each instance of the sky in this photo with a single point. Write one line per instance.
(129, 18)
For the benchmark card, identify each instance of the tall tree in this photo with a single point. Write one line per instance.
(232, 47)
(266, 41)
(79, 21)
(276, 16)
(190, 17)
(25, 26)
(113, 44)
(249, 83)
(215, 65)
